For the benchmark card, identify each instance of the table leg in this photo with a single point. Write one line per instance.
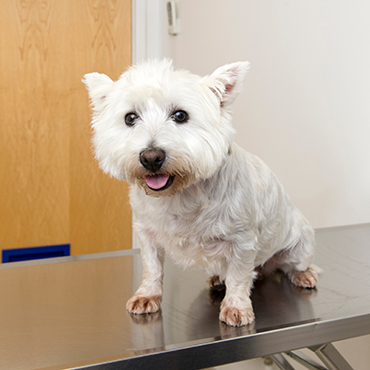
(329, 355)
(281, 362)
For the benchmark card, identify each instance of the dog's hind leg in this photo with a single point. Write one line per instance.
(296, 262)
(214, 283)
(304, 279)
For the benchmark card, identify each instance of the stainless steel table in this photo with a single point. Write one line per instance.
(70, 312)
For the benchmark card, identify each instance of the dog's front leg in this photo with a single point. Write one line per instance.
(148, 297)
(236, 307)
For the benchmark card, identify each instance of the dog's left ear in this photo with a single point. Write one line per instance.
(98, 86)
(227, 81)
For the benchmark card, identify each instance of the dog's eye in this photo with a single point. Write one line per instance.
(180, 116)
(130, 118)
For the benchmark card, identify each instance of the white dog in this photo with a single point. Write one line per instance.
(195, 194)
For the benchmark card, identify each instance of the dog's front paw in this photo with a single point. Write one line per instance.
(235, 316)
(139, 304)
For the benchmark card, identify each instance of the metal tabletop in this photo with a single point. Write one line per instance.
(70, 312)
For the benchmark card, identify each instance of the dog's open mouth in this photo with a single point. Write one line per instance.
(159, 182)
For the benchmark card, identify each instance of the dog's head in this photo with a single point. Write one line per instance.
(161, 128)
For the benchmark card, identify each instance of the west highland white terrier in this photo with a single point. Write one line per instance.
(195, 194)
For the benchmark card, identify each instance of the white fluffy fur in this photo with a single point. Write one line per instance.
(227, 213)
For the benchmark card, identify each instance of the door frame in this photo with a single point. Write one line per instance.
(148, 22)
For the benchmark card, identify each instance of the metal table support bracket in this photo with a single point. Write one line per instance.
(305, 360)
(327, 353)
(330, 356)
(281, 362)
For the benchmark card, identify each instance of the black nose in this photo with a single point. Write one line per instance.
(152, 159)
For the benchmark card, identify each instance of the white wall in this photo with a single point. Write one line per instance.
(306, 106)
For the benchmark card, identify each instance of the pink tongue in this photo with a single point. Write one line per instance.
(156, 181)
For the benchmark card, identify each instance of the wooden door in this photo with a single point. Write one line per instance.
(51, 190)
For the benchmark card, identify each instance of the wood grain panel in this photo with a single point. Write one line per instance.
(34, 175)
(100, 213)
(52, 191)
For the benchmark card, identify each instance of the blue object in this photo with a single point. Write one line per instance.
(34, 253)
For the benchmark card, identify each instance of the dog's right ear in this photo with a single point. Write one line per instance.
(98, 86)
(226, 82)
